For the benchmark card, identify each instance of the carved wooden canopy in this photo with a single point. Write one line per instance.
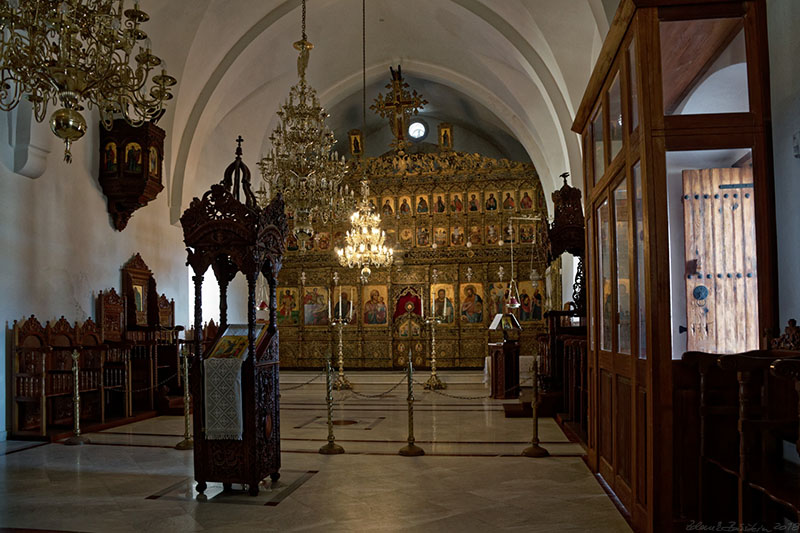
(221, 231)
(568, 230)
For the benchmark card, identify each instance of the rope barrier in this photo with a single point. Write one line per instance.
(381, 395)
(456, 397)
(148, 388)
(294, 387)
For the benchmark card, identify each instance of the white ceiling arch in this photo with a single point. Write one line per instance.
(466, 44)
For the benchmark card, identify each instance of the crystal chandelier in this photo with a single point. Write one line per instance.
(301, 165)
(365, 240)
(80, 54)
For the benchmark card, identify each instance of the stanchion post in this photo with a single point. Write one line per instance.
(535, 450)
(411, 449)
(76, 439)
(331, 448)
(187, 443)
(434, 382)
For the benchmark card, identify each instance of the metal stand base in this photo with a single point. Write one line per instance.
(411, 450)
(342, 383)
(535, 450)
(434, 383)
(77, 441)
(185, 444)
(331, 449)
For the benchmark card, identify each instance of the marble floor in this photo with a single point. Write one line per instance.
(472, 477)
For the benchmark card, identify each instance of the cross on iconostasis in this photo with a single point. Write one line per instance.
(398, 106)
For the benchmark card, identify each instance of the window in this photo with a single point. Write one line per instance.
(704, 66)
(417, 130)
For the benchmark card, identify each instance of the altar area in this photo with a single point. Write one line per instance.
(472, 476)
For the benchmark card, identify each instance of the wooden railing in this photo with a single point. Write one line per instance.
(734, 417)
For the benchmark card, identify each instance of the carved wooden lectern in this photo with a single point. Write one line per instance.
(232, 236)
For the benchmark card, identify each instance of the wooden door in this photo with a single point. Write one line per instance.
(721, 270)
(617, 360)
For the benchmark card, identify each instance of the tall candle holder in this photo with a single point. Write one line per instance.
(434, 382)
(340, 319)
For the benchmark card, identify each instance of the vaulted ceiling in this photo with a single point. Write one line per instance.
(509, 71)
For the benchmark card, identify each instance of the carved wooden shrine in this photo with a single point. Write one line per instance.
(232, 236)
(130, 168)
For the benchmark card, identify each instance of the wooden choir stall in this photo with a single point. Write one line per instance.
(232, 236)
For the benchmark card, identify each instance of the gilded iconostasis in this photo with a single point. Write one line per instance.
(451, 218)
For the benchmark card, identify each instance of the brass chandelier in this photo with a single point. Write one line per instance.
(302, 165)
(80, 54)
(365, 240)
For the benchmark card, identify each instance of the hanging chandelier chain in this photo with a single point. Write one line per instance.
(301, 164)
(304, 21)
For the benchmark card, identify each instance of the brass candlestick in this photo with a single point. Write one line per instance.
(434, 382)
(411, 449)
(331, 448)
(534, 450)
(187, 443)
(76, 439)
(341, 383)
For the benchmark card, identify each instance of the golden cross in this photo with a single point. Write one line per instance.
(398, 106)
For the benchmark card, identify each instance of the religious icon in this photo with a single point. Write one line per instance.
(491, 202)
(316, 307)
(374, 298)
(110, 157)
(456, 205)
(423, 237)
(133, 157)
(388, 206)
(405, 205)
(475, 235)
(526, 233)
(492, 235)
(474, 203)
(391, 238)
(439, 206)
(338, 239)
(498, 293)
(288, 309)
(472, 303)
(138, 297)
(442, 301)
(509, 234)
(322, 240)
(508, 201)
(372, 206)
(344, 301)
(457, 236)
(526, 202)
(531, 300)
(152, 161)
(407, 237)
(445, 136)
(410, 328)
(356, 142)
(422, 204)
(440, 236)
(291, 243)
(307, 245)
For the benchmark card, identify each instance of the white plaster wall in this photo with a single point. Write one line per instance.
(59, 247)
(784, 49)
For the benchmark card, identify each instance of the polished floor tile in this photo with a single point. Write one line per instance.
(472, 477)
